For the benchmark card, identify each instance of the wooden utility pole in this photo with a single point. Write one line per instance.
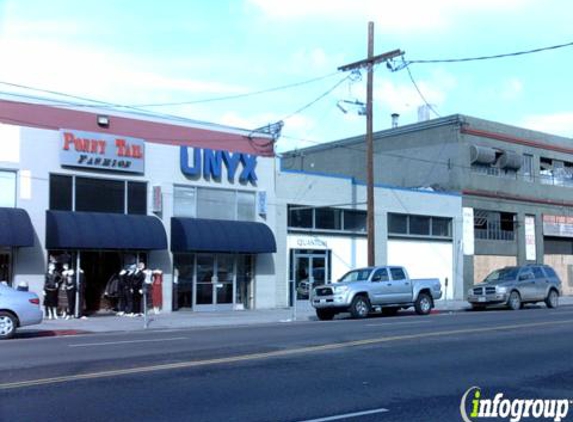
(369, 63)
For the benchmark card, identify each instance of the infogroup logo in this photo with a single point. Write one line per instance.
(515, 410)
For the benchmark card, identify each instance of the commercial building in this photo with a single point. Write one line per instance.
(101, 190)
(515, 185)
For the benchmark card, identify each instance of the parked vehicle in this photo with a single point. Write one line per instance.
(515, 286)
(17, 309)
(386, 289)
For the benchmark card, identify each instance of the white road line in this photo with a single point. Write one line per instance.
(348, 415)
(109, 343)
(382, 324)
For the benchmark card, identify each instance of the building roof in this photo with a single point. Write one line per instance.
(155, 128)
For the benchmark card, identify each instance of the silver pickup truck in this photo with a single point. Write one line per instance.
(364, 290)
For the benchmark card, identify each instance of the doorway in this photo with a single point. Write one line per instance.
(6, 265)
(98, 267)
(309, 268)
(215, 281)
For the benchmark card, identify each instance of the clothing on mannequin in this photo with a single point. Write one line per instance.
(51, 285)
(63, 293)
(157, 293)
(69, 286)
(147, 287)
(137, 283)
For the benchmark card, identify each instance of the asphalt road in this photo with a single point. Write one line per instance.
(404, 368)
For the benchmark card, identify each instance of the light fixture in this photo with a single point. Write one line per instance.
(102, 120)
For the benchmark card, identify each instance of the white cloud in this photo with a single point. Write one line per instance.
(401, 15)
(557, 123)
(511, 89)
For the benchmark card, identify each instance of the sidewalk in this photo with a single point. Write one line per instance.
(188, 319)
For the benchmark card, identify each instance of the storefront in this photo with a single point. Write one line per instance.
(107, 192)
(17, 232)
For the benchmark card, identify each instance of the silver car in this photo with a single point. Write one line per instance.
(17, 309)
(515, 286)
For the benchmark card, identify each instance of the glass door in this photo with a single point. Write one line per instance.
(205, 279)
(225, 278)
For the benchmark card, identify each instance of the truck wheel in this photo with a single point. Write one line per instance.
(360, 307)
(325, 314)
(514, 301)
(391, 311)
(7, 325)
(552, 299)
(423, 304)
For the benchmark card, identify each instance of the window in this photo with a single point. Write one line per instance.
(397, 223)
(397, 273)
(97, 195)
(354, 221)
(7, 189)
(89, 194)
(537, 272)
(328, 218)
(550, 272)
(218, 204)
(441, 227)
(136, 198)
(380, 275)
(61, 188)
(528, 167)
(419, 225)
(555, 172)
(300, 217)
(184, 201)
(245, 206)
(493, 225)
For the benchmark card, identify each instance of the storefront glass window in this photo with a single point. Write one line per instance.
(244, 281)
(218, 204)
(441, 227)
(245, 206)
(7, 189)
(185, 201)
(137, 198)
(5, 266)
(61, 192)
(89, 193)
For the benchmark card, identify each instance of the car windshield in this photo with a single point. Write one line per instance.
(356, 275)
(504, 274)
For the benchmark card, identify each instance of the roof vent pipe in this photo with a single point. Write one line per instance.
(395, 117)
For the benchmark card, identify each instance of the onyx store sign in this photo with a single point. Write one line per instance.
(210, 164)
(100, 151)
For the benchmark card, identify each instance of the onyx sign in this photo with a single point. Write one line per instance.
(209, 163)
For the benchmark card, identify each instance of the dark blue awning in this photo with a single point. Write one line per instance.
(96, 230)
(15, 228)
(203, 235)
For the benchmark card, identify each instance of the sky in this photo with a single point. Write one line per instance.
(150, 53)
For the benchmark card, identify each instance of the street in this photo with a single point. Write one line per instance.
(403, 368)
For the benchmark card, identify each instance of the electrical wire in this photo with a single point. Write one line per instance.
(496, 56)
(420, 92)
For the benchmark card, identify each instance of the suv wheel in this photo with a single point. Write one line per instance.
(325, 314)
(360, 307)
(7, 325)
(552, 299)
(423, 304)
(514, 301)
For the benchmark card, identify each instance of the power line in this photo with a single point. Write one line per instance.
(496, 56)
(320, 97)
(420, 92)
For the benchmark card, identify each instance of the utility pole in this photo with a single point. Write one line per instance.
(369, 63)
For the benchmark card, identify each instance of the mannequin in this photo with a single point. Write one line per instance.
(62, 292)
(147, 287)
(138, 279)
(51, 285)
(122, 292)
(69, 285)
(157, 295)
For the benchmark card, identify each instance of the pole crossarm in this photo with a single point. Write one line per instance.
(372, 61)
